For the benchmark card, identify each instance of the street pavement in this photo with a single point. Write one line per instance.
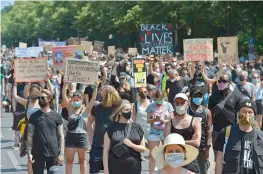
(11, 163)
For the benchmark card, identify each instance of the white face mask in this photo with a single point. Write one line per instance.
(174, 159)
(180, 110)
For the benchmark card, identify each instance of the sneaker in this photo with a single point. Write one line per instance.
(16, 146)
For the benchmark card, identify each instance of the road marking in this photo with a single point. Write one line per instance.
(14, 161)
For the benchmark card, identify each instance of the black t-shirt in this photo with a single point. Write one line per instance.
(20, 93)
(102, 121)
(175, 87)
(46, 135)
(11, 79)
(228, 115)
(89, 91)
(150, 79)
(246, 149)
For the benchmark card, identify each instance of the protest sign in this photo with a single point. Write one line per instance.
(30, 70)
(82, 71)
(44, 43)
(98, 46)
(48, 48)
(111, 50)
(87, 45)
(22, 45)
(227, 48)
(198, 49)
(132, 51)
(60, 54)
(21, 52)
(139, 70)
(34, 51)
(156, 39)
(251, 49)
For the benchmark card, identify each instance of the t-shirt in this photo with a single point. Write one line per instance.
(175, 88)
(46, 136)
(102, 121)
(89, 91)
(246, 149)
(251, 89)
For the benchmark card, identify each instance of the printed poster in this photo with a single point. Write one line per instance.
(227, 48)
(132, 51)
(156, 39)
(82, 71)
(198, 49)
(60, 54)
(111, 50)
(88, 47)
(44, 43)
(139, 70)
(30, 69)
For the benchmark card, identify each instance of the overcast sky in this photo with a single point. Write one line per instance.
(5, 3)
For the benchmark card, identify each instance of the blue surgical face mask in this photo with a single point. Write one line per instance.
(76, 104)
(197, 100)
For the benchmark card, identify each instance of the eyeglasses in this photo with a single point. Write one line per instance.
(222, 81)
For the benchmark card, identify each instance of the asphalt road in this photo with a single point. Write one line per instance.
(11, 163)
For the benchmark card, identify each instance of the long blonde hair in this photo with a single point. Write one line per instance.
(110, 96)
(119, 106)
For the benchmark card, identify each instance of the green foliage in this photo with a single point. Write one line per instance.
(59, 20)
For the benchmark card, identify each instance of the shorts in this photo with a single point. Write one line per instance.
(76, 140)
(96, 159)
(259, 107)
(17, 116)
(156, 135)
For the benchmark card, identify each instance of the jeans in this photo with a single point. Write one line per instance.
(203, 163)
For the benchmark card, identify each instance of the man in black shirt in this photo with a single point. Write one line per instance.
(45, 140)
(239, 147)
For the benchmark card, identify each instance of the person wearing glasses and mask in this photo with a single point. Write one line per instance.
(125, 90)
(223, 104)
(123, 142)
(45, 140)
(187, 126)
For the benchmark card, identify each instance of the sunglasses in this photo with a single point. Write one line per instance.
(41, 97)
(222, 81)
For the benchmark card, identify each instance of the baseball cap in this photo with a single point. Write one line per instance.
(181, 95)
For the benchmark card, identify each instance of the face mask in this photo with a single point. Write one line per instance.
(33, 98)
(42, 104)
(246, 119)
(197, 100)
(242, 78)
(222, 86)
(174, 159)
(126, 115)
(76, 104)
(172, 80)
(159, 102)
(143, 96)
(254, 81)
(180, 110)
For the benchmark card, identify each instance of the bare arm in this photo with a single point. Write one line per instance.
(210, 81)
(196, 139)
(106, 150)
(50, 86)
(20, 100)
(31, 129)
(219, 163)
(3, 86)
(139, 148)
(64, 94)
(91, 120)
(134, 112)
(209, 127)
(151, 70)
(167, 128)
(92, 101)
(61, 140)
(26, 90)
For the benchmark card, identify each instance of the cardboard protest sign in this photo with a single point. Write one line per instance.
(22, 45)
(133, 51)
(139, 70)
(156, 39)
(48, 48)
(30, 70)
(87, 45)
(98, 46)
(198, 49)
(60, 54)
(44, 43)
(82, 71)
(227, 48)
(111, 50)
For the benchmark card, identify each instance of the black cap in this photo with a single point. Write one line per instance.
(247, 103)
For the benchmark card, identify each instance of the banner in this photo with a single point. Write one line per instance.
(251, 49)
(22, 45)
(81, 71)
(198, 49)
(60, 54)
(88, 47)
(156, 39)
(227, 48)
(30, 70)
(111, 50)
(132, 51)
(44, 43)
(139, 70)
(98, 46)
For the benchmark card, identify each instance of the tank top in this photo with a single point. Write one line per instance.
(203, 117)
(82, 126)
(187, 133)
(141, 114)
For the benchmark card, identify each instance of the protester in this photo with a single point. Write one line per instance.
(239, 146)
(173, 155)
(246, 88)
(123, 142)
(45, 141)
(158, 113)
(100, 114)
(125, 90)
(150, 92)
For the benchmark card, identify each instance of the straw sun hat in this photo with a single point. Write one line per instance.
(172, 139)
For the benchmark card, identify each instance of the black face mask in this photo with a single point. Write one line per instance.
(126, 115)
(143, 95)
(42, 103)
